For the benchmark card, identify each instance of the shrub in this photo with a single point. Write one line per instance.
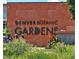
(62, 51)
(38, 55)
(19, 49)
(6, 32)
(16, 48)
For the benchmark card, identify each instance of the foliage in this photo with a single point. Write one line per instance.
(6, 32)
(38, 54)
(58, 51)
(62, 51)
(72, 7)
(16, 48)
(19, 49)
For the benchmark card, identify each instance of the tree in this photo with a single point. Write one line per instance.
(72, 7)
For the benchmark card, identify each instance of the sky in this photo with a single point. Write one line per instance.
(35, 0)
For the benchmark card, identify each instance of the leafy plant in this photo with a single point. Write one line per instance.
(62, 51)
(19, 49)
(16, 48)
(38, 55)
(6, 32)
(72, 7)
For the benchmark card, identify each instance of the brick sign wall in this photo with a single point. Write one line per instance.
(37, 22)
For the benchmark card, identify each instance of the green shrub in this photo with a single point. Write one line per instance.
(19, 49)
(38, 55)
(62, 51)
(6, 32)
(16, 48)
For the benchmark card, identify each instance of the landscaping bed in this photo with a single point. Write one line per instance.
(19, 49)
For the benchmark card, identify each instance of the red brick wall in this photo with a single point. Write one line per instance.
(39, 11)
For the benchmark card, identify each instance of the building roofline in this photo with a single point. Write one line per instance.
(36, 2)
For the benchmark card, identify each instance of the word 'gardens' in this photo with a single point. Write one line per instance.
(35, 29)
